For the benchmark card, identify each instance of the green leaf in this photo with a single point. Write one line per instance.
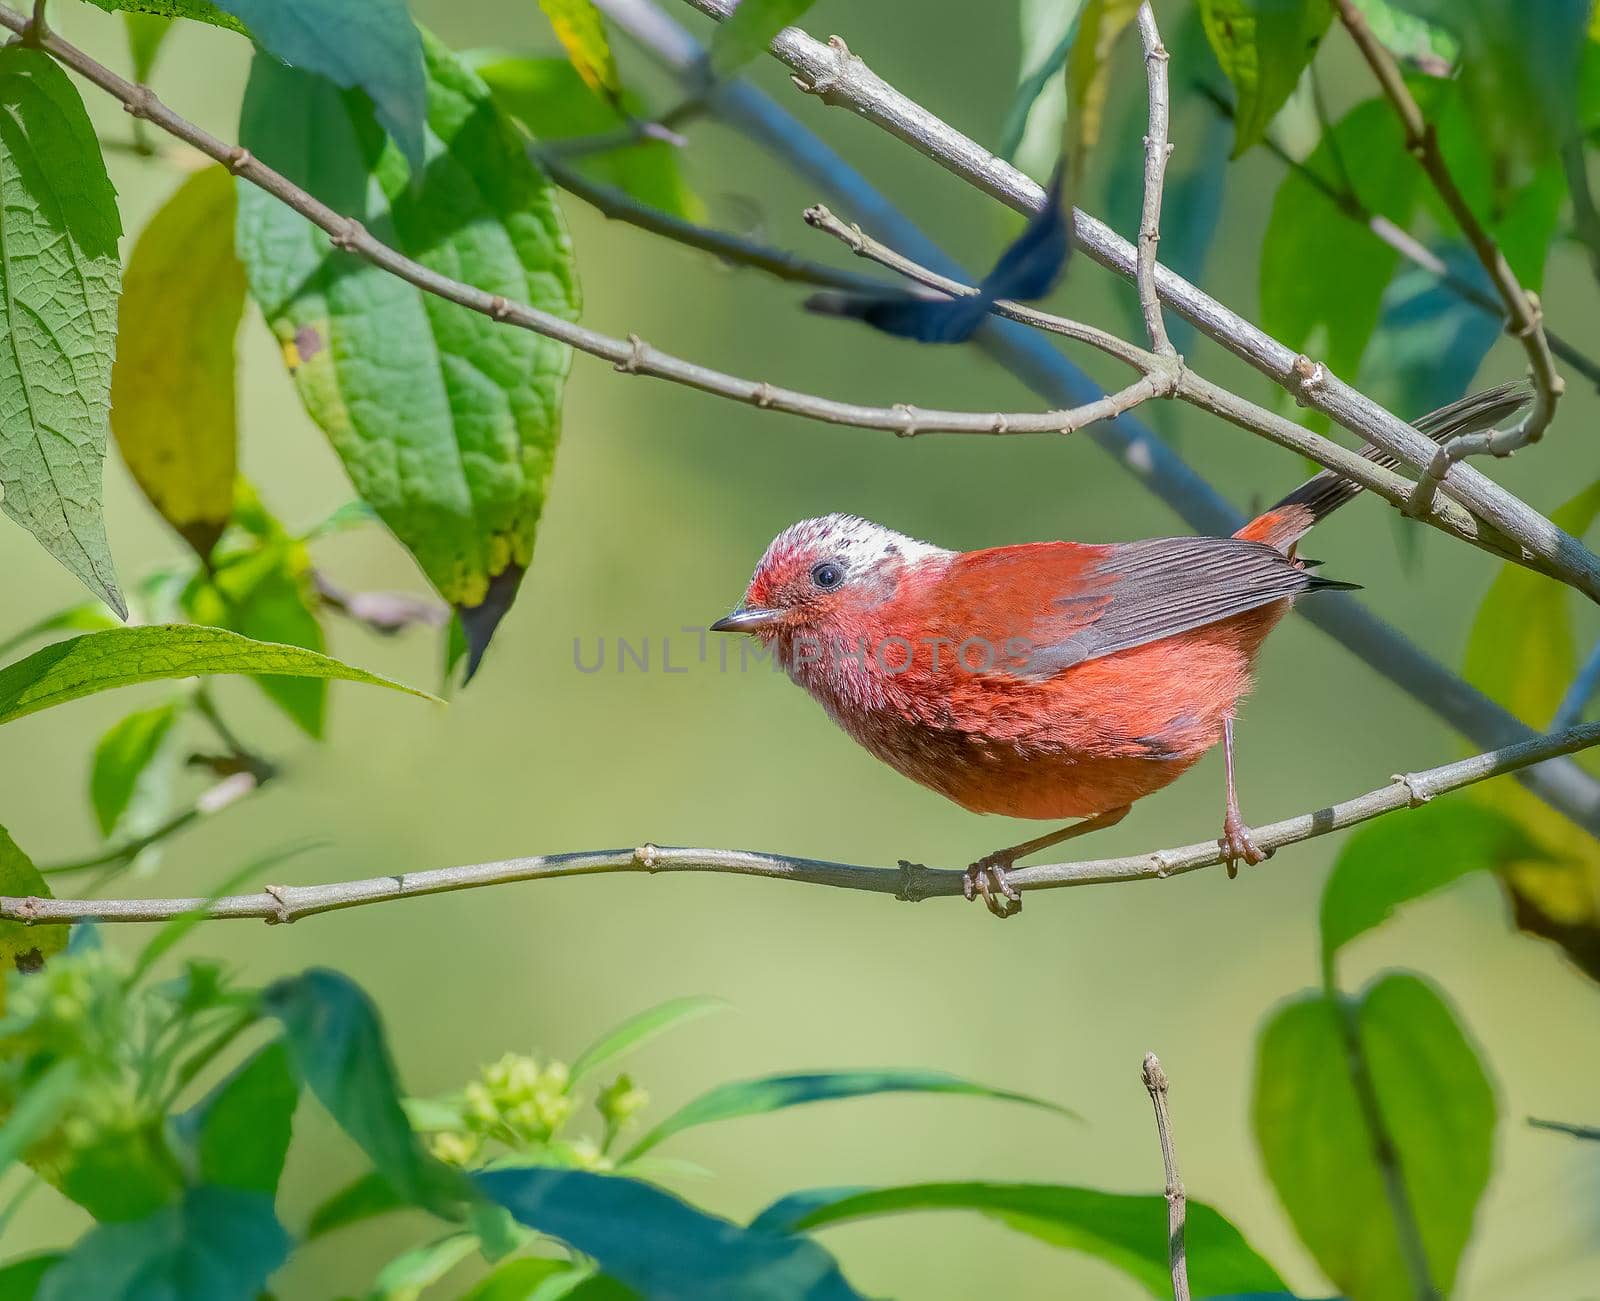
(446, 421)
(1125, 1230)
(123, 1173)
(172, 388)
(406, 1276)
(777, 1092)
(639, 1029)
(119, 657)
(1263, 47)
(372, 46)
(91, 616)
(1395, 860)
(58, 316)
(240, 1132)
(218, 1244)
(24, 947)
(1323, 275)
(37, 1110)
(203, 11)
(1437, 1107)
(1100, 24)
(338, 1045)
(146, 34)
(368, 1196)
(548, 98)
(20, 1280)
(749, 30)
(581, 29)
(1427, 48)
(1048, 28)
(664, 1248)
(122, 759)
(522, 1280)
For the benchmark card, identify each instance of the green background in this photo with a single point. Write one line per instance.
(661, 503)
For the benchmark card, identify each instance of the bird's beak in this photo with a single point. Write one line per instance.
(747, 620)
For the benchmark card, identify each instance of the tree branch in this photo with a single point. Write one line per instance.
(841, 79)
(1524, 317)
(910, 881)
(1156, 152)
(1155, 1082)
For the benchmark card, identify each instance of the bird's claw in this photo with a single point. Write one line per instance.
(987, 877)
(1237, 843)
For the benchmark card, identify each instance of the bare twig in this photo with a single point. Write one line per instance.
(1524, 317)
(1156, 151)
(1590, 1132)
(910, 881)
(661, 128)
(841, 79)
(1585, 682)
(1155, 1081)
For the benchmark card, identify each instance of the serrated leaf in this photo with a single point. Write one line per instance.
(1438, 1109)
(122, 759)
(58, 316)
(23, 947)
(172, 389)
(778, 1092)
(1127, 1231)
(203, 11)
(749, 30)
(581, 29)
(446, 421)
(664, 1248)
(1263, 47)
(218, 1244)
(120, 657)
(548, 98)
(240, 1131)
(639, 1029)
(373, 47)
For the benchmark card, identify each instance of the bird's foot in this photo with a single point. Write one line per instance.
(987, 877)
(1237, 843)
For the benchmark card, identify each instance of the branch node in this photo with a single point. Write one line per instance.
(1309, 377)
(1161, 865)
(764, 396)
(1000, 425)
(141, 103)
(647, 857)
(908, 415)
(633, 363)
(349, 235)
(1417, 792)
(28, 910)
(499, 307)
(239, 158)
(913, 887)
(285, 912)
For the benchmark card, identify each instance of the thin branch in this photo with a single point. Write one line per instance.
(1579, 692)
(1585, 217)
(631, 356)
(1524, 317)
(1591, 1132)
(911, 882)
(1156, 152)
(1155, 1082)
(635, 131)
(841, 79)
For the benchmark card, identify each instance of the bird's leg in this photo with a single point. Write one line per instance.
(1236, 840)
(987, 877)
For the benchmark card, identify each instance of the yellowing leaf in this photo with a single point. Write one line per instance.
(172, 389)
(1089, 75)
(582, 33)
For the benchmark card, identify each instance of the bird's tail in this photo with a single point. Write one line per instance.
(1321, 495)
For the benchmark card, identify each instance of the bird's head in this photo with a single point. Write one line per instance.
(820, 574)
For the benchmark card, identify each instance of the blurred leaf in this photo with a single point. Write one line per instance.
(660, 1246)
(266, 595)
(639, 1029)
(217, 1244)
(91, 616)
(172, 388)
(38, 1109)
(1588, 1133)
(1521, 653)
(1437, 1107)
(777, 1092)
(23, 947)
(446, 420)
(240, 1131)
(547, 97)
(1395, 860)
(1323, 275)
(749, 30)
(1414, 41)
(367, 1196)
(1125, 1230)
(200, 10)
(124, 1173)
(122, 759)
(373, 46)
(58, 312)
(1263, 47)
(581, 29)
(1040, 75)
(1100, 24)
(406, 1276)
(339, 1047)
(146, 34)
(20, 1279)
(522, 1279)
(119, 657)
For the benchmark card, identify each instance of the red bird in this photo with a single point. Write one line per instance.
(1053, 679)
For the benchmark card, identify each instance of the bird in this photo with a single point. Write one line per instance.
(1049, 680)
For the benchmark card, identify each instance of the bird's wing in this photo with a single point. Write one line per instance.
(1072, 603)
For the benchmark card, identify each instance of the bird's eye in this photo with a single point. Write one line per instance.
(827, 575)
